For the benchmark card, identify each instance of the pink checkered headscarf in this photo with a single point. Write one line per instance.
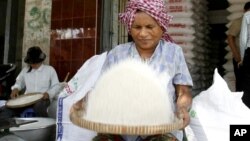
(155, 8)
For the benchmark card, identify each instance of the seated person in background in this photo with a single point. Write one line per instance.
(245, 52)
(35, 78)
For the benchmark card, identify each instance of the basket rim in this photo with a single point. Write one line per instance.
(122, 129)
(25, 104)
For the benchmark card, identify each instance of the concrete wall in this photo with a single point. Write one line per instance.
(37, 26)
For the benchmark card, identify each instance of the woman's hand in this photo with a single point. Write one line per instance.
(78, 105)
(239, 64)
(183, 103)
(45, 95)
(14, 93)
(183, 113)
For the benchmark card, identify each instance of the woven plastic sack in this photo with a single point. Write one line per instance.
(76, 89)
(214, 110)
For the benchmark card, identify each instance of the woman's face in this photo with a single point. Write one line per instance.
(146, 32)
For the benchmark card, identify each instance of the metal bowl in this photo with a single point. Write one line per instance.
(10, 137)
(42, 130)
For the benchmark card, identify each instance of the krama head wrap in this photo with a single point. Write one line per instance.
(155, 8)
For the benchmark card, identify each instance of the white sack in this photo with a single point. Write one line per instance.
(234, 16)
(180, 28)
(237, 1)
(214, 110)
(235, 8)
(76, 89)
(228, 66)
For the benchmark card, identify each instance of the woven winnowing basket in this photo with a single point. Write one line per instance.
(76, 116)
(114, 90)
(24, 100)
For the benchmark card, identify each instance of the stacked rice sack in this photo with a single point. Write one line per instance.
(189, 29)
(235, 10)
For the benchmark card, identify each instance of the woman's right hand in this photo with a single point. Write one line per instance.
(14, 93)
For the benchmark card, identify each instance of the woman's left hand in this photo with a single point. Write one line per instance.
(183, 103)
(183, 113)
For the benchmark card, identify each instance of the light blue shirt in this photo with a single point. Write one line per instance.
(167, 57)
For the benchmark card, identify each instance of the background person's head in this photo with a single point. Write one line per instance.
(247, 6)
(34, 56)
